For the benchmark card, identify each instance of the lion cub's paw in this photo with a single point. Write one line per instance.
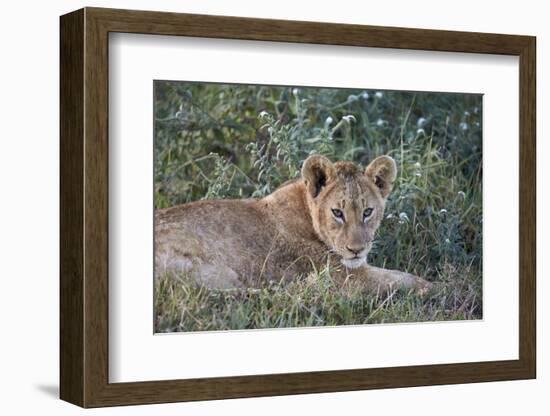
(415, 283)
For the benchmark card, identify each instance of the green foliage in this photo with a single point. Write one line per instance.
(217, 141)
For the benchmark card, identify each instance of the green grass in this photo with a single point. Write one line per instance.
(314, 300)
(217, 141)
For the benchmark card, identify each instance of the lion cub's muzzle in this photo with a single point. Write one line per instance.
(353, 251)
(355, 262)
(356, 255)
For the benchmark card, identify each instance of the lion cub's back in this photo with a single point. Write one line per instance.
(222, 232)
(223, 217)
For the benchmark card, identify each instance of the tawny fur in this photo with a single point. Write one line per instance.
(286, 235)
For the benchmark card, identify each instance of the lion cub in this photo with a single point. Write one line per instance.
(329, 215)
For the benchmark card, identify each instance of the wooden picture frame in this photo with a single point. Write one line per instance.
(84, 207)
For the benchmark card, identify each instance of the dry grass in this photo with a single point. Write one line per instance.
(314, 300)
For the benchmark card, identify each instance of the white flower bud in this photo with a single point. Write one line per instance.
(421, 122)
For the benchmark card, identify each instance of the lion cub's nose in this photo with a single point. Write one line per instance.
(355, 249)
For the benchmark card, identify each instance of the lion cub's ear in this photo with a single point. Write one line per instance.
(382, 171)
(317, 171)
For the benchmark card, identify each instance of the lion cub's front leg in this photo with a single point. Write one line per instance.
(377, 279)
(394, 279)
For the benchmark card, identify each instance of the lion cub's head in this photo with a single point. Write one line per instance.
(347, 204)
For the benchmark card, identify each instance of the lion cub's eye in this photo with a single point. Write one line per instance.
(366, 214)
(338, 214)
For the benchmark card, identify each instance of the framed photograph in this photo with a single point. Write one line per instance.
(255, 207)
